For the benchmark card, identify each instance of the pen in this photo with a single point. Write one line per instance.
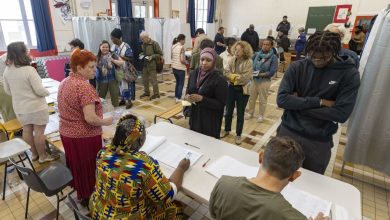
(205, 163)
(188, 155)
(191, 145)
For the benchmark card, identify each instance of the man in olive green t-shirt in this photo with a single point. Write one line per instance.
(260, 197)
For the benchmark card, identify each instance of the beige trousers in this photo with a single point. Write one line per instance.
(259, 89)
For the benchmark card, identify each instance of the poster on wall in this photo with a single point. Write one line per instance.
(342, 13)
(63, 10)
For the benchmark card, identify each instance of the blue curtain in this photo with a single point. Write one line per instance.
(131, 28)
(191, 16)
(211, 11)
(124, 9)
(43, 27)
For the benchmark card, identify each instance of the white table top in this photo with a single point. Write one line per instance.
(198, 184)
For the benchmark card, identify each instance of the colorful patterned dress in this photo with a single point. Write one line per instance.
(130, 185)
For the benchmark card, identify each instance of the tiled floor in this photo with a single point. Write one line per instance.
(375, 199)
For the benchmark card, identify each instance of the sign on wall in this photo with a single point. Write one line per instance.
(342, 13)
(63, 10)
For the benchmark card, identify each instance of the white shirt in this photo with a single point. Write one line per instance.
(226, 57)
(25, 86)
(3, 58)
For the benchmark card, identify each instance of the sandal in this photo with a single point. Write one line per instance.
(49, 158)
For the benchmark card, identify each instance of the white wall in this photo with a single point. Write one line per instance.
(165, 7)
(63, 32)
(266, 14)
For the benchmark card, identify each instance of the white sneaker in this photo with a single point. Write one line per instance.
(224, 134)
(248, 116)
(177, 100)
(260, 119)
(238, 140)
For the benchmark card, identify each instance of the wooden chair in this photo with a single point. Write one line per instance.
(169, 113)
(10, 128)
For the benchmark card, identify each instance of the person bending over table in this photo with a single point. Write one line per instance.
(81, 118)
(207, 91)
(260, 197)
(129, 183)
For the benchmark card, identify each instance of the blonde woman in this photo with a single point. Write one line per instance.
(238, 73)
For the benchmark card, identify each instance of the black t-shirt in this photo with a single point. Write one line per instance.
(221, 39)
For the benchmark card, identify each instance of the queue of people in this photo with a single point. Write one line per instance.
(217, 85)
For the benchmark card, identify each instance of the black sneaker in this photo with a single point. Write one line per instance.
(155, 96)
(129, 104)
(122, 102)
(144, 95)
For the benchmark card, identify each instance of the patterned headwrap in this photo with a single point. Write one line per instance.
(128, 134)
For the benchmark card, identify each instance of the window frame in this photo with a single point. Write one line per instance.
(25, 20)
(202, 11)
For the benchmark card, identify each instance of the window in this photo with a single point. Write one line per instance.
(139, 11)
(201, 13)
(113, 8)
(16, 23)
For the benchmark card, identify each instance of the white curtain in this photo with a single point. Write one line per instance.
(369, 129)
(92, 30)
(164, 31)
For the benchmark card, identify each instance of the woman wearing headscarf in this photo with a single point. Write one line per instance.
(207, 91)
(129, 183)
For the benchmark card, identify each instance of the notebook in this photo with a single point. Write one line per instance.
(167, 152)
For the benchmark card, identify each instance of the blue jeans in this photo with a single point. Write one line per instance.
(180, 76)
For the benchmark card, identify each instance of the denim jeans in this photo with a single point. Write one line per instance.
(180, 76)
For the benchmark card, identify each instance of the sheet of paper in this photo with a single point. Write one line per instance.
(306, 203)
(53, 96)
(171, 154)
(339, 213)
(185, 103)
(152, 142)
(229, 166)
(53, 90)
(53, 125)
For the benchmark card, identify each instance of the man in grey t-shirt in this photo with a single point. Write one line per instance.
(260, 197)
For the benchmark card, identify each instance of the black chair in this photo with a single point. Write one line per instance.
(49, 181)
(76, 211)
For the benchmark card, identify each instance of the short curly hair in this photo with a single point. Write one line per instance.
(81, 58)
(248, 52)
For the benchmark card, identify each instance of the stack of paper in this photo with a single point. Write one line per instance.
(53, 125)
(306, 203)
(229, 166)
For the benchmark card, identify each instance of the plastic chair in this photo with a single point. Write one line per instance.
(10, 127)
(11, 148)
(49, 181)
(76, 211)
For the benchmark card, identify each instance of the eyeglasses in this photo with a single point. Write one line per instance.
(319, 58)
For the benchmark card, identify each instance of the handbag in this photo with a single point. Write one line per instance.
(119, 74)
(160, 65)
(131, 73)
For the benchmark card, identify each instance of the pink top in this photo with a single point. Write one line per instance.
(74, 93)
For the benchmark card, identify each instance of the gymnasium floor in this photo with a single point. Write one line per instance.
(375, 200)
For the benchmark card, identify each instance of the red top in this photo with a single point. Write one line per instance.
(74, 93)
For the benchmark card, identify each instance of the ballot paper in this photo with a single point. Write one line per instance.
(185, 103)
(167, 152)
(306, 203)
(53, 125)
(229, 166)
